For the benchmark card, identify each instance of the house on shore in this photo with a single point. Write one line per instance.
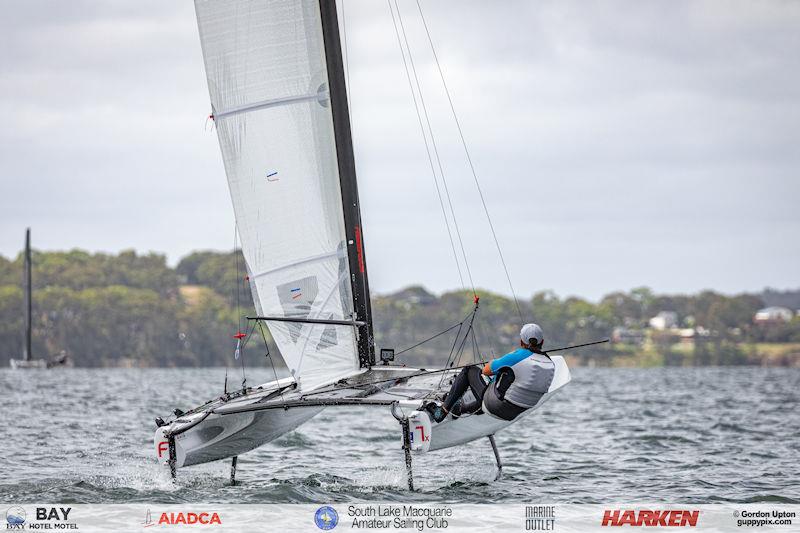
(664, 320)
(773, 315)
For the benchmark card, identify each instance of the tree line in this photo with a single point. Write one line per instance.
(134, 309)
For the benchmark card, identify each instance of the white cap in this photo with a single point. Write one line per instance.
(531, 331)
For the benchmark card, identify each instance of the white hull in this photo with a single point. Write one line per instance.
(22, 364)
(465, 429)
(468, 428)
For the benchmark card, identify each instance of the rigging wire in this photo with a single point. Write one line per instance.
(467, 334)
(268, 355)
(453, 352)
(491, 348)
(475, 348)
(433, 140)
(469, 159)
(451, 328)
(427, 146)
(448, 364)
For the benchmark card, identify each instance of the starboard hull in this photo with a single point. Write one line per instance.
(453, 432)
(465, 429)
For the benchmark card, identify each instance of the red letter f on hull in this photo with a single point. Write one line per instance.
(162, 447)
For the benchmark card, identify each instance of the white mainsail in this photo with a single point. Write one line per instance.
(267, 77)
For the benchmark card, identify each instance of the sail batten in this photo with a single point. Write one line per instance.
(315, 258)
(319, 96)
(271, 93)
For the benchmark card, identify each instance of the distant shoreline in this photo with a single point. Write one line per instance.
(135, 310)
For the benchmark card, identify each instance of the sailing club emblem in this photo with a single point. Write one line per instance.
(326, 518)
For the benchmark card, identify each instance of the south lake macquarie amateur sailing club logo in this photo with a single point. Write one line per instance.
(326, 518)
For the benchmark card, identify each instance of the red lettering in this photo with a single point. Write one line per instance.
(610, 518)
(674, 518)
(189, 518)
(628, 517)
(359, 249)
(163, 446)
(671, 518)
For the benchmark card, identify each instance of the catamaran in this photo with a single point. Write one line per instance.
(279, 103)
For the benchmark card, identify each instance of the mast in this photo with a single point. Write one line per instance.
(347, 178)
(26, 353)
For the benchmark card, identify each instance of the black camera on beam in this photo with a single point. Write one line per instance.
(387, 355)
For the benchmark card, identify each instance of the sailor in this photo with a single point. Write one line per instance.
(517, 381)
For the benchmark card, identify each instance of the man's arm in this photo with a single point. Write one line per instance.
(509, 359)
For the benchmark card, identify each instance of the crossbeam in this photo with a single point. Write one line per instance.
(332, 402)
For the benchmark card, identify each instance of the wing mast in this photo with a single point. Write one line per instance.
(347, 178)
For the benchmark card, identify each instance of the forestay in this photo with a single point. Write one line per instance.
(268, 81)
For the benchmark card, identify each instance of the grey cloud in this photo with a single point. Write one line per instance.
(618, 143)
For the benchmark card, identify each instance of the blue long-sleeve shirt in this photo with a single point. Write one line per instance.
(510, 359)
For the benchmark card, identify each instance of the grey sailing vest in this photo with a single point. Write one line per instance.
(532, 379)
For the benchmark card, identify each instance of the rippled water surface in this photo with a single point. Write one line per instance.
(669, 434)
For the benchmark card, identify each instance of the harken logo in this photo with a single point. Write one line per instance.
(635, 518)
(15, 518)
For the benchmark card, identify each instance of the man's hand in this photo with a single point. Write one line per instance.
(487, 369)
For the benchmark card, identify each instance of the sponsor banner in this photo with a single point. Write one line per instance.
(406, 517)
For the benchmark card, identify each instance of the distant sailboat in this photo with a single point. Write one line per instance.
(27, 361)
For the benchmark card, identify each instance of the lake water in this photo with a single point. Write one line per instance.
(666, 434)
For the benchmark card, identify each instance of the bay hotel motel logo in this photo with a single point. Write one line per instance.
(15, 518)
(46, 518)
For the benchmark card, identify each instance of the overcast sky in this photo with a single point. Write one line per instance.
(618, 144)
